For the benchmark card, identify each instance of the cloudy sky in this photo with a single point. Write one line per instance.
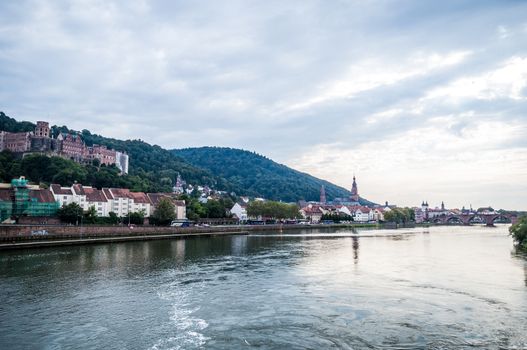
(420, 99)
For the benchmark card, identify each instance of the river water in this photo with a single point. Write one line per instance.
(423, 288)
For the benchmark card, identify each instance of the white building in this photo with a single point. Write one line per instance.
(240, 211)
(121, 161)
(363, 214)
(97, 199)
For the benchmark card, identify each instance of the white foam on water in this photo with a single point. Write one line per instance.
(186, 327)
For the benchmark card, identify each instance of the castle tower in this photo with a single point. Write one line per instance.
(354, 191)
(42, 129)
(322, 194)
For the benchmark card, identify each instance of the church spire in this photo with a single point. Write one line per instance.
(354, 191)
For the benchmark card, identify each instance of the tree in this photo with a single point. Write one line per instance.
(165, 212)
(90, 216)
(271, 209)
(137, 218)
(519, 232)
(215, 209)
(70, 213)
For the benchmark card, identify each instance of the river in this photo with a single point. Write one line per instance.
(424, 288)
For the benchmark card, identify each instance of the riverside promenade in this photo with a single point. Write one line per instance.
(32, 236)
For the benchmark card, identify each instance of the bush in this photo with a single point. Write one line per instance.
(519, 232)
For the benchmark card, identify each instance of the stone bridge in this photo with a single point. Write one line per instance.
(467, 219)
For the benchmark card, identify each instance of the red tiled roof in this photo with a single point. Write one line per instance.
(59, 190)
(42, 196)
(94, 195)
(156, 197)
(5, 194)
(79, 190)
(121, 192)
(107, 193)
(140, 197)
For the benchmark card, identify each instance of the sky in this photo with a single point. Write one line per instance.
(421, 100)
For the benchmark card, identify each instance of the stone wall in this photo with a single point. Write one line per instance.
(11, 233)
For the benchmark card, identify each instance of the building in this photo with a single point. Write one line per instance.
(354, 191)
(16, 142)
(312, 212)
(239, 210)
(63, 195)
(97, 199)
(19, 199)
(42, 129)
(72, 146)
(121, 161)
(104, 155)
(180, 207)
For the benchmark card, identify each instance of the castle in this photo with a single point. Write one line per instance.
(66, 145)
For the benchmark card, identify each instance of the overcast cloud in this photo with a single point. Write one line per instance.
(420, 99)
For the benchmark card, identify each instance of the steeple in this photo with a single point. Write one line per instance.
(354, 191)
(442, 205)
(322, 194)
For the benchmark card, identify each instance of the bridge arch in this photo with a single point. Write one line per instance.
(454, 220)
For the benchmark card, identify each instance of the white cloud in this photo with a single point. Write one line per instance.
(508, 81)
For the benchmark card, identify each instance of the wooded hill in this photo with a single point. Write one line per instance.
(259, 176)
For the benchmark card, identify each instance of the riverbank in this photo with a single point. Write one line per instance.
(32, 236)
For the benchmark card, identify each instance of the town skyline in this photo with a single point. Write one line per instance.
(415, 112)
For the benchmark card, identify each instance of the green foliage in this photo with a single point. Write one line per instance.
(165, 212)
(254, 175)
(90, 216)
(399, 215)
(11, 125)
(70, 213)
(271, 209)
(136, 218)
(519, 232)
(337, 217)
(215, 209)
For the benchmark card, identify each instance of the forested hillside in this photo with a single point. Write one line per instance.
(152, 168)
(258, 175)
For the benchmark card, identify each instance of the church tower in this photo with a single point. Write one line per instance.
(354, 191)
(322, 195)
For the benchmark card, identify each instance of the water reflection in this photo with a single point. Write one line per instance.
(355, 246)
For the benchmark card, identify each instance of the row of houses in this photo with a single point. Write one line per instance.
(314, 212)
(121, 201)
(67, 145)
(20, 199)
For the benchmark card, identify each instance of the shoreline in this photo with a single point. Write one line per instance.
(36, 236)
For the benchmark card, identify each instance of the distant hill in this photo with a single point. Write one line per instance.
(258, 175)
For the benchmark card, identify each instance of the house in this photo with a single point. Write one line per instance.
(311, 212)
(362, 214)
(120, 200)
(97, 199)
(378, 214)
(180, 206)
(63, 195)
(239, 211)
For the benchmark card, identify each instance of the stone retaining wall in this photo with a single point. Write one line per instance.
(10, 233)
